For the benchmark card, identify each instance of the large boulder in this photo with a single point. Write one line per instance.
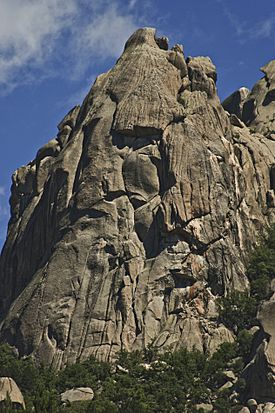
(8, 388)
(77, 394)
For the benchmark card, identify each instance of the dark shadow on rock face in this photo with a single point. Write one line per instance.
(42, 231)
(272, 177)
(215, 281)
(270, 97)
(249, 113)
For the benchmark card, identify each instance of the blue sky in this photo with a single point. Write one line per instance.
(52, 50)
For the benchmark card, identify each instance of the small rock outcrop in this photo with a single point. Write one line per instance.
(129, 225)
(234, 103)
(256, 108)
(78, 394)
(8, 388)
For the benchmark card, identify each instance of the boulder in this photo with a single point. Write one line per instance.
(204, 407)
(78, 394)
(8, 387)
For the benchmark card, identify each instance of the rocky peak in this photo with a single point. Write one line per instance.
(129, 225)
(256, 108)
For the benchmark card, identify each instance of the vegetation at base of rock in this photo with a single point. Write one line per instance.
(148, 381)
(238, 311)
(139, 382)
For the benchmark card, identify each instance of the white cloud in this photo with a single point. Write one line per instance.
(103, 36)
(236, 23)
(35, 34)
(2, 191)
(260, 30)
(263, 29)
(28, 32)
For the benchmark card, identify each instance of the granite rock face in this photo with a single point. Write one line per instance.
(8, 388)
(128, 225)
(256, 108)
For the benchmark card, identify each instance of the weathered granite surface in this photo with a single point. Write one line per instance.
(129, 224)
(9, 389)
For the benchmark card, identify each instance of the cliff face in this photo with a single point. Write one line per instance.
(257, 109)
(128, 225)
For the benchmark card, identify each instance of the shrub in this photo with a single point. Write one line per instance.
(262, 260)
(238, 311)
(244, 341)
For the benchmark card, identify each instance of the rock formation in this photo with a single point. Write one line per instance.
(77, 395)
(131, 222)
(8, 388)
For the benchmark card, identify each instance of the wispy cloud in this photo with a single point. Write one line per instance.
(264, 29)
(103, 35)
(132, 4)
(244, 31)
(233, 19)
(28, 33)
(2, 191)
(35, 35)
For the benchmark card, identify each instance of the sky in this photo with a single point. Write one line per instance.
(52, 50)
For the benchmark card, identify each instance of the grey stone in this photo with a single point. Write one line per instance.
(122, 369)
(251, 403)
(259, 106)
(268, 407)
(226, 386)
(203, 75)
(230, 375)
(77, 394)
(205, 407)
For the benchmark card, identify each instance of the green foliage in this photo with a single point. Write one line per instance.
(260, 288)
(6, 406)
(262, 261)
(87, 374)
(224, 405)
(103, 406)
(37, 384)
(261, 268)
(173, 382)
(238, 310)
(244, 341)
(218, 362)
